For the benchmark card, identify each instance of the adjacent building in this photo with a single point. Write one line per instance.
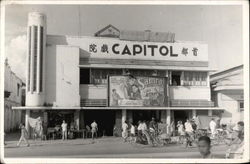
(114, 76)
(13, 97)
(228, 92)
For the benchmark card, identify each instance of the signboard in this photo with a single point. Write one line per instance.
(94, 47)
(136, 91)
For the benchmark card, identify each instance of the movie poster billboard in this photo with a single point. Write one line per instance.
(136, 91)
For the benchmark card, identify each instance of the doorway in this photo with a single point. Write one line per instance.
(105, 120)
(180, 115)
(146, 115)
(55, 118)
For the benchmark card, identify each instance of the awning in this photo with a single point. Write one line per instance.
(116, 108)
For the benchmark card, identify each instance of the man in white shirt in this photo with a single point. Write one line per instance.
(188, 127)
(94, 129)
(144, 126)
(64, 130)
(125, 131)
(212, 126)
(189, 132)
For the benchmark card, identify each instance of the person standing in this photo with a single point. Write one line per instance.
(212, 126)
(125, 131)
(189, 133)
(64, 130)
(181, 131)
(24, 135)
(132, 133)
(94, 129)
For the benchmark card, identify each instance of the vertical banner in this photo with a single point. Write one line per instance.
(137, 91)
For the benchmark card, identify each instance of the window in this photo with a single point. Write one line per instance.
(84, 76)
(204, 78)
(176, 78)
(29, 54)
(195, 78)
(241, 105)
(41, 59)
(35, 58)
(18, 89)
(100, 76)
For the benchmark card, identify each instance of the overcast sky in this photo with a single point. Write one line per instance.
(218, 26)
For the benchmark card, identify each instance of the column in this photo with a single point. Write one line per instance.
(124, 115)
(168, 120)
(77, 118)
(27, 116)
(193, 113)
(45, 119)
(157, 115)
(210, 113)
(163, 116)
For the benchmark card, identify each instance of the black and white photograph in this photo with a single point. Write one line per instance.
(124, 81)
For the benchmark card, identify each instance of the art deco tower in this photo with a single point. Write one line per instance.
(36, 38)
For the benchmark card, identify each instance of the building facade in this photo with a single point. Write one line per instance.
(228, 92)
(13, 97)
(135, 75)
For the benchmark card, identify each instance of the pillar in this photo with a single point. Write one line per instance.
(81, 120)
(36, 51)
(193, 113)
(77, 119)
(124, 115)
(168, 117)
(27, 116)
(210, 113)
(163, 116)
(168, 120)
(45, 119)
(157, 115)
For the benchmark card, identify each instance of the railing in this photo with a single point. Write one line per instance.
(94, 102)
(191, 103)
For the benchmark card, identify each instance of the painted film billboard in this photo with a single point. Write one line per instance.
(137, 91)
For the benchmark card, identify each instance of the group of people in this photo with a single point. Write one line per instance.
(94, 129)
(132, 131)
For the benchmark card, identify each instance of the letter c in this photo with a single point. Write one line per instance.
(113, 48)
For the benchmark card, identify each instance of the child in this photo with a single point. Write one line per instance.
(204, 145)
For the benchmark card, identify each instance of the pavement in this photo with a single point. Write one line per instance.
(105, 147)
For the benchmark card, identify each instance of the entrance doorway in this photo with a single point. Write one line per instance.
(139, 115)
(55, 118)
(105, 120)
(180, 115)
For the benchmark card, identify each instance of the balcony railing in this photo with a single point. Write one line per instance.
(94, 102)
(191, 103)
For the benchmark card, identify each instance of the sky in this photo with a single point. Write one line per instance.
(218, 26)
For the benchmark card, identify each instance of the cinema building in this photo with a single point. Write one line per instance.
(114, 76)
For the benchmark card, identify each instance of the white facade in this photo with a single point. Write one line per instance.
(227, 91)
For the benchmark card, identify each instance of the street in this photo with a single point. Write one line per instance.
(107, 147)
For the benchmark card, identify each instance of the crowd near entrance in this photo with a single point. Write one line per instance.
(104, 119)
(139, 115)
(180, 115)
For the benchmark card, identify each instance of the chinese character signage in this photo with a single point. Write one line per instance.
(120, 49)
(136, 91)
